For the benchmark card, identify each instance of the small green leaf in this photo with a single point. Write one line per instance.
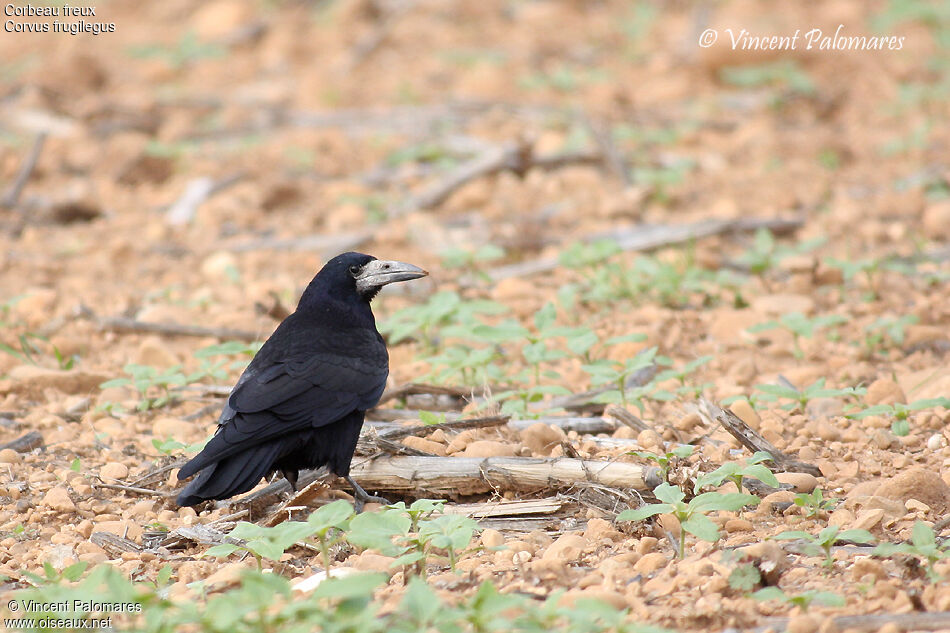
(701, 527)
(769, 593)
(222, 550)
(639, 514)
(856, 536)
(732, 501)
(744, 578)
(669, 494)
(355, 586)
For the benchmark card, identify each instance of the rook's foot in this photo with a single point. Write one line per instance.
(361, 496)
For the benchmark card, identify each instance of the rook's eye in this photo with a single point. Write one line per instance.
(354, 269)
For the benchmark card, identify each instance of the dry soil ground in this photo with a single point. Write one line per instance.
(325, 126)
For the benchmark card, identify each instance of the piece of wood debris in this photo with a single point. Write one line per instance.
(460, 476)
(133, 489)
(506, 508)
(12, 196)
(914, 621)
(421, 430)
(307, 498)
(197, 191)
(113, 544)
(581, 402)
(123, 324)
(567, 424)
(198, 533)
(753, 441)
(649, 238)
(416, 388)
(619, 413)
(515, 156)
(25, 443)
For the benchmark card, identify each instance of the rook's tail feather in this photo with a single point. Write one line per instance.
(231, 476)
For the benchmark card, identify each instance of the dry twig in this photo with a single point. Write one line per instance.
(26, 170)
(516, 156)
(649, 238)
(751, 439)
(123, 324)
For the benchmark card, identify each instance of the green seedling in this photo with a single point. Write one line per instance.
(586, 257)
(325, 524)
(691, 515)
(475, 366)
(787, 75)
(886, 331)
(71, 573)
(472, 261)
(802, 600)
(745, 578)
(426, 322)
(187, 50)
(428, 418)
(800, 398)
(30, 350)
(154, 386)
(661, 178)
(410, 534)
(169, 446)
(766, 254)
(870, 268)
(736, 473)
(245, 352)
(923, 544)
(670, 283)
(813, 503)
(918, 138)
(433, 153)
(265, 602)
(682, 373)
(900, 412)
(800, 326)
(665, 461)
(616, 373)
(821, 544)
(636, 28)
(563, 79)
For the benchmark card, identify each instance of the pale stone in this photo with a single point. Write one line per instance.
(9, 456)
(566, 547)
(917, 483)
(175, 428)
(219, 266)
(426, 445)
(867, 519)
(541, 438)
(492, 538)
(884, 391)
(155, 352)
(58, 499)
(746, 413)
(114, 470)
(649, 563)
(801, 482)
(489, 448)
(779, 304)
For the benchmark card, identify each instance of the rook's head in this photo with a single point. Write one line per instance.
(365, 274)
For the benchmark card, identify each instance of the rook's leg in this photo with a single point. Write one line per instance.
(362, 498)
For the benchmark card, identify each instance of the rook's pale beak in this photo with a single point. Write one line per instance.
(378, 273)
